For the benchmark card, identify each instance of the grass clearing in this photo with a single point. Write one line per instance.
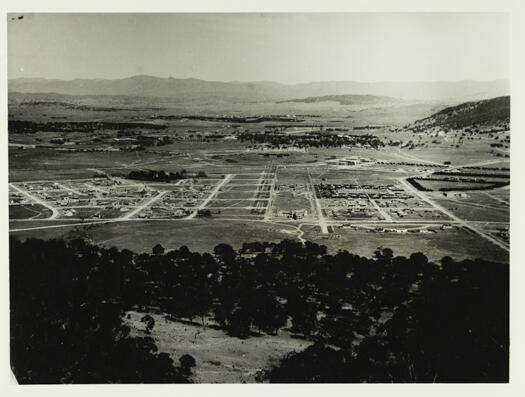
(219, 358)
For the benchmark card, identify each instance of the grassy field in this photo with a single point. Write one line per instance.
(474, 152)
(449, 185)
(286, 201)
(470, 211)
(219, 358)
(236, 195)
(204, 234)
(198, 234)
(26, 211)
(457, 243)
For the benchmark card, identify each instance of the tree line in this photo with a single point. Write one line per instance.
(314, 139)
(23, 126)
(163, 176)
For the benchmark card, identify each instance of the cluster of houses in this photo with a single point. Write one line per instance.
(402, 230)
(104, 193)
(17, 198)
(158, 211)
(352, 191)
(290, 187)
(343, 203)
(177, 203)
(355, 212)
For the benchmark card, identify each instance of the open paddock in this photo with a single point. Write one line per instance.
(240, 188)
(28, 211)
(238, 195)
(456, 243)
(437, 185)
(236, 212)
(287, 201)
(200, 235)
(226, 204)
(472, 212)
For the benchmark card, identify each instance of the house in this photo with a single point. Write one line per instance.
(70, 212)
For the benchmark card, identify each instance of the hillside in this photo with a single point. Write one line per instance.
(486, 112)
(198, 90)
(348, 99)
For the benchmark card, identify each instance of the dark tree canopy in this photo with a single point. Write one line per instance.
(382, 319)
(66, 322)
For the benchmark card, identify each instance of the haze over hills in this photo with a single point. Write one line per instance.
(348, 99)
(196, 90)
(486, 112)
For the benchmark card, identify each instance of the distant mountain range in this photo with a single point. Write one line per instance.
(486, 112)
(348, 99)
(199, 90)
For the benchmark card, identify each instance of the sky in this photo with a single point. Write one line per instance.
(286, 48)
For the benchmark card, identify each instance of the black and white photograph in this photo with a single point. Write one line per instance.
(258, 197)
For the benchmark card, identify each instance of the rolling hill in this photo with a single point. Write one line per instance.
(486, 112)
(348, 99)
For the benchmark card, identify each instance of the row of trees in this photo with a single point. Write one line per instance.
(372, 319)
(163, 176)
(483, 184)
(23, 126)
(314, 139)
